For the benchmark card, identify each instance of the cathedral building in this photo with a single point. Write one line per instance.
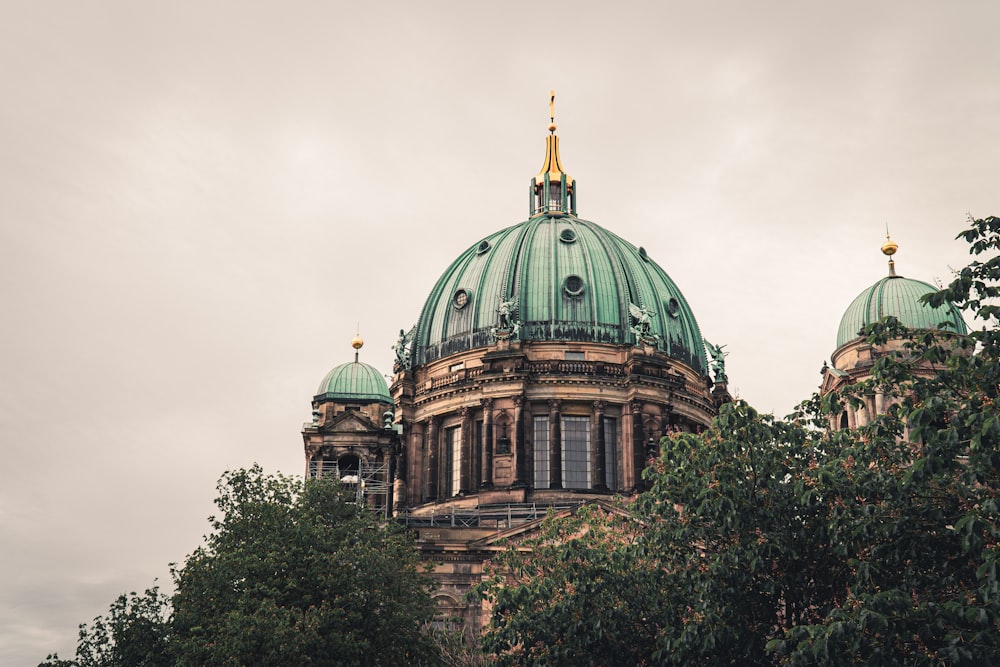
(547, 362)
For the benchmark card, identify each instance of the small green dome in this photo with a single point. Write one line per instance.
(568, 280)
(899, 297)
(354, 381)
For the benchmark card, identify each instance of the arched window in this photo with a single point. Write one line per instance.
(349, 468)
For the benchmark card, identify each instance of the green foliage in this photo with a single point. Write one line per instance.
(134, 633)
(292, 574)
(766, 541)
(299, 575)
(589, 593)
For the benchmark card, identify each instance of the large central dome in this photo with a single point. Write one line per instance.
(556, 277)
(569, 279)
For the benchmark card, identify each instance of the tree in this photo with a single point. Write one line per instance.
(133, 633)
(292, 573)
(927, 592)
(768, 541)
(299, 575)
(582, 590)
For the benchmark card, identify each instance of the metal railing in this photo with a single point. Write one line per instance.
(484, 516)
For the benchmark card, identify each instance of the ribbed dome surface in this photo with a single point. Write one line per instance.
(572, 280)
(354, 381)
(899, 297)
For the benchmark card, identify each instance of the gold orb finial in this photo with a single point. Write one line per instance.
(357, 342)
(889, 247)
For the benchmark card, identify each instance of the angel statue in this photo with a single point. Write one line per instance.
(718, 361)
(641, 318)
(505, 313)
(403, 346)
(507, 325)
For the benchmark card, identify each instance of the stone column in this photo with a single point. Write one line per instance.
(520, 454)
(555, 445)
(415, 464)
(597, 454)
(638, 444)
(431, 478)
(487, 468)
(467, 476)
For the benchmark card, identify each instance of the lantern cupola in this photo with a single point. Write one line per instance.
(553, 191)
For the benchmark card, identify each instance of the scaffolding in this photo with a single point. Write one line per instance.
(369, 482)
(499, 516)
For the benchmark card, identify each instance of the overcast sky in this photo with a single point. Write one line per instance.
(201, 201)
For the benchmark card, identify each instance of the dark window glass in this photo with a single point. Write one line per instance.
(576, 452)
(541, 450)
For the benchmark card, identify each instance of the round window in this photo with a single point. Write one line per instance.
(673, 307)
(483, 247)
(567, 236)
(643, 254)
(461, 299)
(573, 285)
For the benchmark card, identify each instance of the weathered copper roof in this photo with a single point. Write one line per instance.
(899, 297)
(354, 381)
(571, 280)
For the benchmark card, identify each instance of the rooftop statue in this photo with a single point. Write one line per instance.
(718, 361)
(403, 348)
(507, 325)
(641, 323)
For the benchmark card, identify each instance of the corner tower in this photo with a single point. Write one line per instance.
(351, 436)
(853, 359)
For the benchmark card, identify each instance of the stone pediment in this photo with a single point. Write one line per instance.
(353, 422)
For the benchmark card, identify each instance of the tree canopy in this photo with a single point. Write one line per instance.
(292, 573)
(767, 541)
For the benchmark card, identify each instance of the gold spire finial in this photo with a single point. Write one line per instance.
(889, 249)
(552, 111)
(553, 191)
(357, 342)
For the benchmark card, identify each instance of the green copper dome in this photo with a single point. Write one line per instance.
(564, 279)
(899, 297)
(354, 381)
